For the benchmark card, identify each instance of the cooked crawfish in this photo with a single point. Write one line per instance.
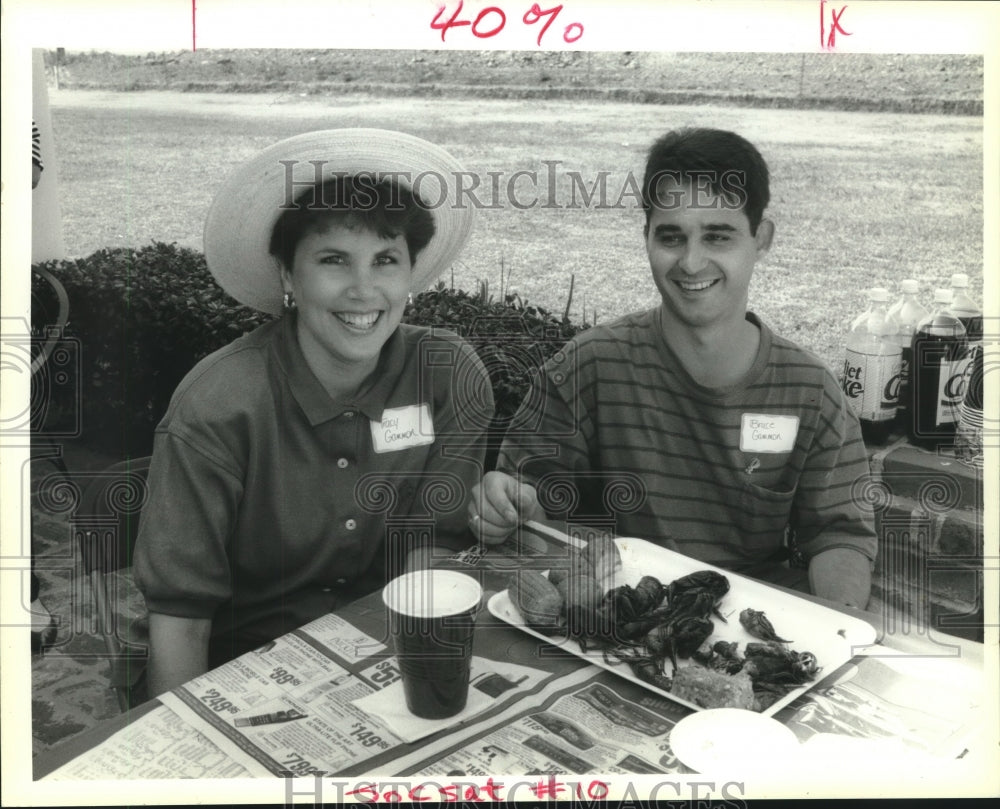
(805, 666)
(721, 656)
(758, 625)
(652, 589)
(771, 663)
(710, 580)
(698, 593)
(679, 638)
(646, 667)
(593, 627)
(629, 603)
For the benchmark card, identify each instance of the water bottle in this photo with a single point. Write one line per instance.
(938, 374)
(871, 370)
(905, 315)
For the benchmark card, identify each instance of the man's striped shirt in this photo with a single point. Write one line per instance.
(615, 428)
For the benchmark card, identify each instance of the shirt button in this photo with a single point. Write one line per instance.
(351, 525)
(341, 581)
(342, 463)
(349, 414)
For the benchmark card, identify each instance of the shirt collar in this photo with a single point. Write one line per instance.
(310, 394)
(758, 366)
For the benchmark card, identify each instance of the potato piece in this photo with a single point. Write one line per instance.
(580, 590)
(537, 599)
(603, 555)
(573, 565)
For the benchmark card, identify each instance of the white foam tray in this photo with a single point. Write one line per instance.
(832, 636)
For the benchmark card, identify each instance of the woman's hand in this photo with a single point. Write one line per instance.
(499, 504)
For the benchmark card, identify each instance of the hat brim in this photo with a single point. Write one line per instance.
(239, 223)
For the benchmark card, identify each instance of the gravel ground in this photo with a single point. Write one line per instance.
(887, 82)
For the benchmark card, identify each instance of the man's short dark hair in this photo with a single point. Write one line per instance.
(728, 164)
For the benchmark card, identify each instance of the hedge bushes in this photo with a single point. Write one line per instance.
(143, 317)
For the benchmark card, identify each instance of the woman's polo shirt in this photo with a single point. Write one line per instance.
(269, 501)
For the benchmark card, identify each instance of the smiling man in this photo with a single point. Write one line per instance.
(692, 424)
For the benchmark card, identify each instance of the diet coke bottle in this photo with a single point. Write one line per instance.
(871, 370)
(941, 363)
(905, 315)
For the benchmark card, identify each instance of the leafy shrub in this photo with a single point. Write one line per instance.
(143, 317)
(510, 337)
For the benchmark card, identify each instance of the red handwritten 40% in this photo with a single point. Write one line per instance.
(495, 17)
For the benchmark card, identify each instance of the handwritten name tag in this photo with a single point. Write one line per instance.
(764, 433)
(402, 428)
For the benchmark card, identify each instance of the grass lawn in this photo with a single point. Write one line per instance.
(859, 199)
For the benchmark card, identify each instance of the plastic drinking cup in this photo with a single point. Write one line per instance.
(432, 615)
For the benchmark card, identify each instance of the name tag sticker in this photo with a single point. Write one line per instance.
(764, 433)
(402, 428)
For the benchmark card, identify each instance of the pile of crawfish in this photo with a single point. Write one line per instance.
(646, 625)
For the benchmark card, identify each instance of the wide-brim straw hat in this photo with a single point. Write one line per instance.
(242, 216)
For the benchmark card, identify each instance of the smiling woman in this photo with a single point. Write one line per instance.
(297, 468)
(346, 249)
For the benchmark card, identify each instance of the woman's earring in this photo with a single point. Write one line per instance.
(288, 301)
(409, 299)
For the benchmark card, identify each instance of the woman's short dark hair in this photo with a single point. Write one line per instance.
(727, 163)
(366, 202)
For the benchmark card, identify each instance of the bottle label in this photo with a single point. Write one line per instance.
(871, 384)
(952, 382)
(906, 358)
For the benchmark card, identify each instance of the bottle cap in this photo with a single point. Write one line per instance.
(960, 280)
(878, 294)
(910, 286)
(942, 296)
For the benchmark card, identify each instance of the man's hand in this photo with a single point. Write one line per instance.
(499, 504)
(841, 575)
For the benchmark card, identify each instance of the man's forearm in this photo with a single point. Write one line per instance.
(841, 575)
(178, 651)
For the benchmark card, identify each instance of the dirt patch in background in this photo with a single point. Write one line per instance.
(877, 82)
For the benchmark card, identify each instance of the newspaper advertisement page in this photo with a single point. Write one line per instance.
(887, 698)
(264, 674)
(608, 726)
(162, 745)
(319, 729)
(252, 684)
(290, 707)
(601, 726)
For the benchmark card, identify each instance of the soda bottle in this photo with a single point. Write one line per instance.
(859, 322)
(969, 432)
(965, 309)
(905, 315)
(871, 370)
(937, 374)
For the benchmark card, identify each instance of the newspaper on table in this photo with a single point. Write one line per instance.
(289, 708)
(594, 728)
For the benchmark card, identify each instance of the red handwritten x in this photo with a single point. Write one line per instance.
(830, 42)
